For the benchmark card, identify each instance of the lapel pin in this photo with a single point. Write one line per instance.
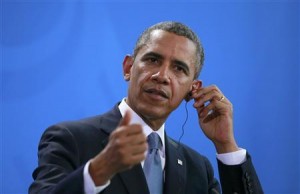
(179, 162)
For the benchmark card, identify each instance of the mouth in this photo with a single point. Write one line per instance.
(157, 92)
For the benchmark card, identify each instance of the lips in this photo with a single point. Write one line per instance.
(159, 92)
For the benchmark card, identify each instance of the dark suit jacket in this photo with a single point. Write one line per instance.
(65, 148)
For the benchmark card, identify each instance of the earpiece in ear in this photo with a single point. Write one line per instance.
(196, 85)
(188, 97)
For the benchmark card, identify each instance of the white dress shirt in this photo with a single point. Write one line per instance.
(233, 158)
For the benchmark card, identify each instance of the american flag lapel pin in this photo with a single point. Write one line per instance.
(179, 162)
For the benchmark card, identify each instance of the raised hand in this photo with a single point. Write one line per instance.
(126, 147)
(215, 117)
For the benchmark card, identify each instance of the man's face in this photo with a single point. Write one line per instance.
(160, 76)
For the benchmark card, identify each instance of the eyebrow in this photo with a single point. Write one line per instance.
(153, 54)
(180, 63)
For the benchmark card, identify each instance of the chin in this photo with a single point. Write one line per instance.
(151, 112)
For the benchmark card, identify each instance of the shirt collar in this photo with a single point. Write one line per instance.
(136, 119)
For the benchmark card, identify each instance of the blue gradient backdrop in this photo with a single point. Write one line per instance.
(62, 60)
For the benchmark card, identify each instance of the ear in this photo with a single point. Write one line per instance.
(197, 84)
(127, 64)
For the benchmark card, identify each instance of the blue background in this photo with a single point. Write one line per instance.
(62, 60)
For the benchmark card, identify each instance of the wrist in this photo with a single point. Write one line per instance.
(100, 175)
(223, 148)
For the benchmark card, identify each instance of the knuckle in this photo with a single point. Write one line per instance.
(119, 143)
(214, 87)
(116, 133)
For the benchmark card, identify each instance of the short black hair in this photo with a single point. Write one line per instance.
(178, 29)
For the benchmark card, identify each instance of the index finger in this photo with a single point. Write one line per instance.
(204, 90)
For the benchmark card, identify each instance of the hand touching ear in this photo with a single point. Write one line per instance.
(215, 116)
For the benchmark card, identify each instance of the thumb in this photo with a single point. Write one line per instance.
(126, 119)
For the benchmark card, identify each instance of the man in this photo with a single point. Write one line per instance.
(109, 153)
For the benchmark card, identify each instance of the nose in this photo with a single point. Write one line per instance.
(161, 75)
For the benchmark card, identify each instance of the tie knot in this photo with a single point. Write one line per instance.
(154, 141)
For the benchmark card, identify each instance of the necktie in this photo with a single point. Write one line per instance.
(152, 165)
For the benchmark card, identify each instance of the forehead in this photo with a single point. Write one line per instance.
(170, 45)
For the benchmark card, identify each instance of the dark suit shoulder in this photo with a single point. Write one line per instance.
(90, 122)
(105, 123)
(78, 133)
(65, 148)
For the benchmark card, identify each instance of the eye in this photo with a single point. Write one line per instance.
(180, 69)
(152, 60)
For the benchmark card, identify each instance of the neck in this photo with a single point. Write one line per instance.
(151, 120)
(154, 124)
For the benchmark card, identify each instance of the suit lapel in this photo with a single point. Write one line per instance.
(110, 120)
(175, 170)
(133, 179)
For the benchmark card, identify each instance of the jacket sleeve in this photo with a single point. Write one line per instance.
(239, 179)
(59, 169)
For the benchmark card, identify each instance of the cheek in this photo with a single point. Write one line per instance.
(181, 89)
(138, 78)
(142, 74)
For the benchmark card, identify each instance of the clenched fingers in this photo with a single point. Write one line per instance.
(211, 100)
